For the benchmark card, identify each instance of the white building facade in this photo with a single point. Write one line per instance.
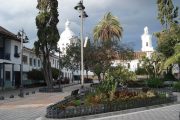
(10, 60)
(146, 50)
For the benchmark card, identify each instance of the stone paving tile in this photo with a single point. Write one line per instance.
(164, 113)
(31, 107)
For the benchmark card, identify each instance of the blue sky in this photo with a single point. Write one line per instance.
(133, 15)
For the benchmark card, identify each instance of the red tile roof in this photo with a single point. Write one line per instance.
(135, 55)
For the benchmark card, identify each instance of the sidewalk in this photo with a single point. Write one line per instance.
(7, 94)
(39, 99)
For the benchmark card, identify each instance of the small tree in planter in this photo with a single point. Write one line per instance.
(108, 87)
(121, 74)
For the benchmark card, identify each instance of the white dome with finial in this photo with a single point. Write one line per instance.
(65, 37)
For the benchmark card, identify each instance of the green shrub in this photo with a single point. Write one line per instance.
(154, 83)
(121, 74)
(38, 74)
(77, 102)
(141, 71)
(176, 86)
(169, 77)
(35, 75)
(135, 83)
(55, 73)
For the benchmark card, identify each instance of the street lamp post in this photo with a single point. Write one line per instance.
(80, 7)
(24, 39)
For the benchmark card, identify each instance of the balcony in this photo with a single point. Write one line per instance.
(5, 56)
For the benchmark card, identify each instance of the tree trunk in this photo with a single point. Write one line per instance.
(47, 71)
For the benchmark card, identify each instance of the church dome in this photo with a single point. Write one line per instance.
(65, 37)
(67, 33)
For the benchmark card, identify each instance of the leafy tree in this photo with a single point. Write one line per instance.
(124, 52)
(167, 13)
(175, 58)
(88, 57)
(169, 37)
(55, 73)
(97, 69)
(121, 74)
(105, 33)
(48, 35)
(147, 65)
(101, 60)
(153, 65)
(108, 29)
(72, 58)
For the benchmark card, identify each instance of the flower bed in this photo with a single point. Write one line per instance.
(75, 106)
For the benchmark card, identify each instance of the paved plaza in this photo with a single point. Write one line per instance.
(171, 112)
(33, 107)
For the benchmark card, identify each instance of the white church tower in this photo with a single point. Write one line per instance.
(65, 38)
(147, 42)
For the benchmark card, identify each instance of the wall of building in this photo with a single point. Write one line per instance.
(15, 60)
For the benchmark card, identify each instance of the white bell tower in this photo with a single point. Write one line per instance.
(146, 41)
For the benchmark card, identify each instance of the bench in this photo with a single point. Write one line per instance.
(94, 84)
(74, 93)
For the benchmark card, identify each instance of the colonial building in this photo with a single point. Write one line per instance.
(146, 50)
(10, 60)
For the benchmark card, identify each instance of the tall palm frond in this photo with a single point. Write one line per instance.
(108, 28)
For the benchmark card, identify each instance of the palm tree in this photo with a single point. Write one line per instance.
(108, 28)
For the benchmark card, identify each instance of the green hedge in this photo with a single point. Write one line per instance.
(141, 71)
(154, 83)
(176, 86)
(38, 74)
(35, 75)
(55, 73)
